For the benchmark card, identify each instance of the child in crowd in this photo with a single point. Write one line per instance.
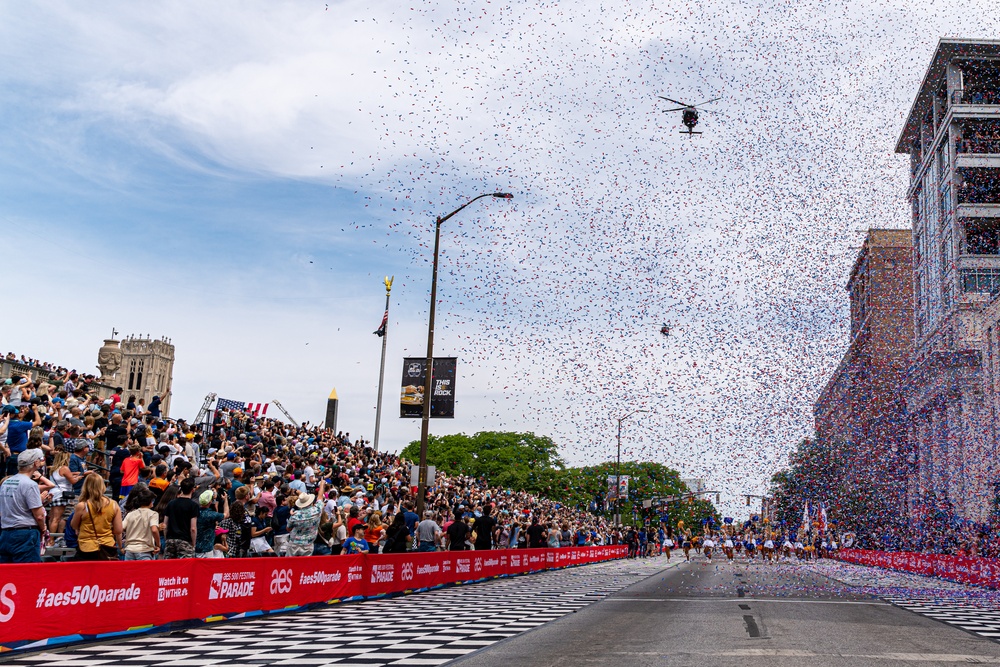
(356, 544)
(142, 529)
(130, 470)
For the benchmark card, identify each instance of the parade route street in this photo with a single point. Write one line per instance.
(626, 612)
(789, 614)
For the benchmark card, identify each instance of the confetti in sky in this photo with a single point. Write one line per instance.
(240, 176)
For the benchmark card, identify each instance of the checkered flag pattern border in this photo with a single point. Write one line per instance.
(430, 628)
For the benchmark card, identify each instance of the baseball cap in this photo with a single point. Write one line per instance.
(29, 456)
(206, 497)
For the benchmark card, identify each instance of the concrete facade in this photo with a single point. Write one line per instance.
(952, 136)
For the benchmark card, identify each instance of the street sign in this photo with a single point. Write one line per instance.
(415, 475)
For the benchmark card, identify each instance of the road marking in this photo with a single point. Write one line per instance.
(907, 657)
(762, 600)
(795, 653)
(752, 628)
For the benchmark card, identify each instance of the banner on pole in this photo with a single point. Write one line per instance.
(411, 399)
(622, 486)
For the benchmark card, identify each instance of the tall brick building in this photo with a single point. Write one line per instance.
(860, 413)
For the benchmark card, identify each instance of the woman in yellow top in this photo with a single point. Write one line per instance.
(97, 521)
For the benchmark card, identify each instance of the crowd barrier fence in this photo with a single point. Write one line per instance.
(962, 569)
(55, 603)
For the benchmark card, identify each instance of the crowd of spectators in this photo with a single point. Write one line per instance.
(937, 529)
(94, 479)
(35, 363)
(987, 96)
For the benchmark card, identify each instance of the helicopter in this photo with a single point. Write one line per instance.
(690, 116)
(665, 329)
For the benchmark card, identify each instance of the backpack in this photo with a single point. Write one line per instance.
(69, 535)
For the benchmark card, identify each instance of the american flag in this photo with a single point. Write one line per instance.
(383, 326)
(226, 404)
(255, 409)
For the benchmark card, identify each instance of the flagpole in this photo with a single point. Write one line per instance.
(381, 373)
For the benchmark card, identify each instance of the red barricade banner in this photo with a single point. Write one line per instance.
(963, 569)
(52, 600)
(249, 584)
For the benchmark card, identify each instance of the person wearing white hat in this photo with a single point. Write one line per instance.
(303, 524)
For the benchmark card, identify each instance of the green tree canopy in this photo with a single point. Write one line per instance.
(505, 459)
(525, 461)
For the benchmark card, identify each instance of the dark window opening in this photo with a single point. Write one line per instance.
(982, 236)
(980, 137)
(980, 83)
(980, 186)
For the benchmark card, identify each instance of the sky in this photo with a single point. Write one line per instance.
(240, 176)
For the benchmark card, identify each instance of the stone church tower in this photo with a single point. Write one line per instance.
(147, 369)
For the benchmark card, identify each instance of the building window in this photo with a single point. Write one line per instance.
(138, 376)
(982, 236)
(981, 280)
(131, 374)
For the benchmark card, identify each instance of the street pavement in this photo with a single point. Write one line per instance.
(622, 613)
(709, 614)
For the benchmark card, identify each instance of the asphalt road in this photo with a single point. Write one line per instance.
(704, 614)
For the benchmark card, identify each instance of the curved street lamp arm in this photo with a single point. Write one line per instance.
(621, 419)
(498, 195)
(442, 219)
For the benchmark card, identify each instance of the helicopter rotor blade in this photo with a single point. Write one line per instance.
(708, 102)
(674, 101)
(677, 109)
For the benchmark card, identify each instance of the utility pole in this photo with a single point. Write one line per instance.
(429, 368)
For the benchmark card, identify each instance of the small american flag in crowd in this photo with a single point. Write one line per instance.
(255, 409)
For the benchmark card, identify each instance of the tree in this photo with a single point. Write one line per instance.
(525, 461)
(851, 482)
(506, 459)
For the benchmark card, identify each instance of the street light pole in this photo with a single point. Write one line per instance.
(429, 363)
(618, 463)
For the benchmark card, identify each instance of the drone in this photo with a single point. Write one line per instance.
(690, 116)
